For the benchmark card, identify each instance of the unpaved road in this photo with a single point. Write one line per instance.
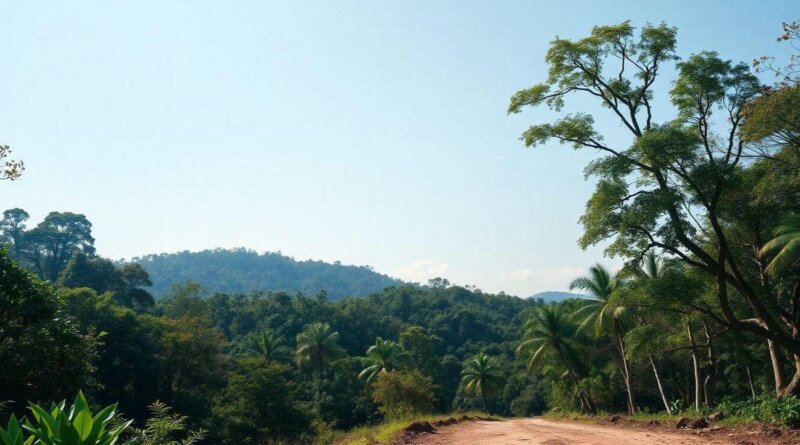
(537, 431)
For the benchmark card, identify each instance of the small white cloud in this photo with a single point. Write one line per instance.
(420, 271)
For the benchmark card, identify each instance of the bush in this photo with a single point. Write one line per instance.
(404, 393)
(258, 405)
(783, 412)
(72, 425)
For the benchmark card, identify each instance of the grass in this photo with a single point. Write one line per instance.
(662, 417)
(383, 432)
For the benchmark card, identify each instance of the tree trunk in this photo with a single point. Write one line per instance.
(658, 382)
(698, 384)
(750, 380)
(709, 386)
(583, 395)
(626, 371)
(774, 357)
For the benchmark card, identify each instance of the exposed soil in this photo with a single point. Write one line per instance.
(538, 431)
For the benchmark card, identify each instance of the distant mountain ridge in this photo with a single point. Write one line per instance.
(554, 296)
(243, 270)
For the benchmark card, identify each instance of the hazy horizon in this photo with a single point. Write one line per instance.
(367, 133)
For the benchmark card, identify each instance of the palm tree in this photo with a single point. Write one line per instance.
(603, 315)
(785, 245)
(384, 356)
(317, 346)
(549, 332)
(481, 376)
(270, 346)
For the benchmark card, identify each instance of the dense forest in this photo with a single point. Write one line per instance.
(704, 209)
(243, 271)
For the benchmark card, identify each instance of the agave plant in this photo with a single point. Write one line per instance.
(12, 435)
(74, 425)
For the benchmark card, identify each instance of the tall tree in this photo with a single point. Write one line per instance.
(36, 338)
(270, 346)
(550, 332)
(317, 346)
(383, 356)
(51, 244)
(606, 317)
(664, 190)
(481, 377)
(12, 230)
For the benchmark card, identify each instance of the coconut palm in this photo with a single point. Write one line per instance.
(384, 355)
(604, 316)
(550, 333)
(785, 246)
(481, 377)
(318, 346)
(270, 346)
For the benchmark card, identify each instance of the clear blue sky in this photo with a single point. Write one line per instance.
(372, 132)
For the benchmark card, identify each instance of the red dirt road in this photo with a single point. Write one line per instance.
(537, 431)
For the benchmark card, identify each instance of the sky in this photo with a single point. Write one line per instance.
(367, 132)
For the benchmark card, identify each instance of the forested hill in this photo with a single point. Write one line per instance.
(243, 270)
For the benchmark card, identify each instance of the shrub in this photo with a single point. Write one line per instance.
(404, 393)
(73, 425)
(783, 412)
(259, 405)
(165, 428)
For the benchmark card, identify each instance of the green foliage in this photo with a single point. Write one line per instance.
(35, 334)
(259, 403)
(482, 377)
(270, 346)
(401, 394)
(73, 425)
(317, 346)
(784, 248)
(164, 427)
(783, 412)
(13, 434)
(103, 275)
(383, 356)
(241, 271)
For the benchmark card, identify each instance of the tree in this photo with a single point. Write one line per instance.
(103, 275)
(35, 336)
(785, 246)
(258, 405)
(664, 191)
(401, 394)
(51, 244)
(270, 346)
(482, 377)
(549, 332)
(192, 370)
(384, 356)
(600, 313)
(318, 346)
(9, 169)
(12, 231)
(652, 268)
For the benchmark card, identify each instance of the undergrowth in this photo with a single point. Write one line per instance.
(383, 432)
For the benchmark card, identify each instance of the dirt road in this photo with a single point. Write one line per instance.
(537, 431)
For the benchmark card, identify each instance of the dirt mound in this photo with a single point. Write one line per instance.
(412, 432)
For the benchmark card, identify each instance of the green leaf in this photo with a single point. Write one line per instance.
(83, 423)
